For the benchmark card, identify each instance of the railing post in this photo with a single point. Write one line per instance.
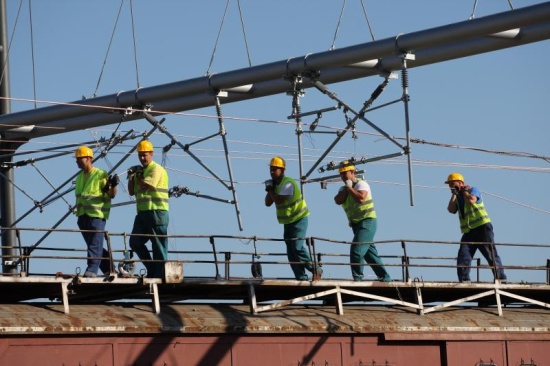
(311, 244)
(21, 254)
(405, 262)
(478, 264)
(25, 263)
(215, 257)
(227, 260)
(110, 251)
(548, 271)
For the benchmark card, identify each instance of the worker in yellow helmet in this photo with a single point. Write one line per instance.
(476, 227)
(149, 183)
(355, 197)
(293, 213)
(94, 191)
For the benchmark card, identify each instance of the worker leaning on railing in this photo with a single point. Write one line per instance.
(94, 191)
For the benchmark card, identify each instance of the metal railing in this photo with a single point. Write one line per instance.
(218, 256)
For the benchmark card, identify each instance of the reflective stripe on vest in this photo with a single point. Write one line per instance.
(155, 198)
(475, 215)
(90, 199)
(294, 209)
(357, 212)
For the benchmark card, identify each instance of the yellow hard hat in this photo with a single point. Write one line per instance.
(145, 146)
(454, 176)
(278, 162)
(84, 151)
(346, 166)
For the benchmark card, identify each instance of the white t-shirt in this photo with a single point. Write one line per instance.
(361, 185)
(287, 189)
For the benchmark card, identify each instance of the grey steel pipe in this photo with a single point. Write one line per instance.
(423, 57)
(183, 90)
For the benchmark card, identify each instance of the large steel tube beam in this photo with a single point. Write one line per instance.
(271, 87)
(430, 46)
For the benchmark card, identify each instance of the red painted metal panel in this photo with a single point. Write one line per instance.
(63, 353)
(531, 352)
(276, 351)
(476, 352)
(360, 353)
(214, 351)
(245, 350)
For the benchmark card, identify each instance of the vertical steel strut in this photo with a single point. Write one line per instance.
(223, 133)
(405, 84)
(296, 92)
(350, 123)
(185, 148)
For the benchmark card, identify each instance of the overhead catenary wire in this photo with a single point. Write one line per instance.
(333, 45)
(221, 132)
(134, 43)
(283, 122)
(108, 49)
(6, 54)
(338, 25)
(472, 16)
(32, 52)
(367, 19)
(397, 161)
(244, 33)
(233, 155)
(71, 208)
(49, 183)
(217, 38)
(54, 195)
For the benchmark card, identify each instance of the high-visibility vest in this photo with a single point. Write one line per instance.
(474, 216)
(90, 199)
(291, 210)
(357, 212)
(155, 198)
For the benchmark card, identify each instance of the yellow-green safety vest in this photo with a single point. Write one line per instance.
(90, 199)
(154, 198)
(357, 212)
(474, 216)
(291, 210)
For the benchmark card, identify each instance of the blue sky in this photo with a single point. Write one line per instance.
(495, 101)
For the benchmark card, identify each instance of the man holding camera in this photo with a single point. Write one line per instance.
(292, 212)
(94, 191)
(149, 183)
(475, 226)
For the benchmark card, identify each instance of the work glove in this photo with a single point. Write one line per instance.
(113, 180)
(455, 191)
(349, 183)
(269, 185)
(133, 170)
